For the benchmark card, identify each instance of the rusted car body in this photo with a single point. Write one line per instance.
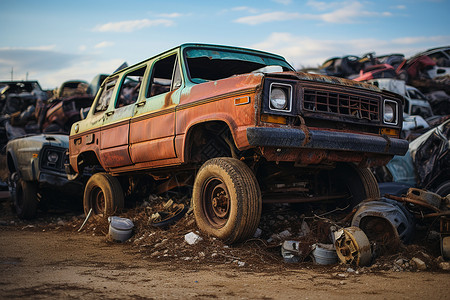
(64, 109)
(248, 133)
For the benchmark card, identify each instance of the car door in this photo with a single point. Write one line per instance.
(152, 128)
(116, 123)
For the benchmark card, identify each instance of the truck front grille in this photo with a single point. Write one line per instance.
(339, 103)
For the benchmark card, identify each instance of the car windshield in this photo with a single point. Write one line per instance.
(415, 94)
(208, 64)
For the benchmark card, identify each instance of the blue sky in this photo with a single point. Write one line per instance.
(53, 41)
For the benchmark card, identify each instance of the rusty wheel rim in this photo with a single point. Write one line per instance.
(216, 202)
(98, 201)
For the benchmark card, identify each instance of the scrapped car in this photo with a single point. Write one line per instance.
(427, 163)
(36, 165)
(441, 56)
(64, 108)
(416, 103)
(245, 124)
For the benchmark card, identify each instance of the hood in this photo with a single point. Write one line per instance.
(325, 79)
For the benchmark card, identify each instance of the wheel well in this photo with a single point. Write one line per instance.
(208, 140)
(88, 158)
(10, 163)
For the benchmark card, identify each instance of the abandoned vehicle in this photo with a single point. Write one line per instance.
(37, 176)
(241, 127)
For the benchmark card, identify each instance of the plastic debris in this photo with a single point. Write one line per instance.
(192, 238)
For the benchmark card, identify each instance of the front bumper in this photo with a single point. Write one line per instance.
(60, 182)
(328, 140)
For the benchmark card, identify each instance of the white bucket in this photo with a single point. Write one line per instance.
(120, 229)
(325, 254)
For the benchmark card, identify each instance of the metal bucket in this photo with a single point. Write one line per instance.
(324, 254)
(120, 229)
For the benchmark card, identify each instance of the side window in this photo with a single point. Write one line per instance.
(161, 80)
(129, 91)
(106, 95)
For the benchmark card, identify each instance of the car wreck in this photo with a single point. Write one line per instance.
(241, 127)
(36, 166)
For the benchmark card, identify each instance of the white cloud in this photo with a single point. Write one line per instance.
(401, 7)
(33, 48)
(171, 15)
(103, 45)
(345, 12)
(82, 48)
(268, 17)
(284, 2)
(307, 52)
(133, 25)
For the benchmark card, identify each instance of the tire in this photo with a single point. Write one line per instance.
(237, 217)
(443, 189)
(103, 194)
(24, 198)
(359, 182)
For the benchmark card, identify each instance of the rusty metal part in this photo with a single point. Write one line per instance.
(384, 221)
(352, 246)
(425, 196)
(413, 201)
(445, 225)
(283, 198)
(445, 247)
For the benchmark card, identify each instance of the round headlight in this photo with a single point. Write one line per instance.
(389, 112)
(52, 157)
(278, 98)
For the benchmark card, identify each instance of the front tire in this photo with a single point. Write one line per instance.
(24, 197)
(103, 194)
(359, 182)
(227, 200)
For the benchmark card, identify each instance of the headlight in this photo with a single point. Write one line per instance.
(390, 112)
(52, 157)
(280, 97)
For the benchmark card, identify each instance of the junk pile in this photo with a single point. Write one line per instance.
(406, 233)
(25, 108)
(426, 76)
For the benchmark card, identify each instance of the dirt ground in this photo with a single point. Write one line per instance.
(48, 258)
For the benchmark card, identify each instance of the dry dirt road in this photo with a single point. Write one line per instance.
(71, 265)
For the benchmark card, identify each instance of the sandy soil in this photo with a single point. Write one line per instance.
(65, 265)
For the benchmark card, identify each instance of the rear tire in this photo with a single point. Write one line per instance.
(227, 200)
(24, 197)
(103, 194)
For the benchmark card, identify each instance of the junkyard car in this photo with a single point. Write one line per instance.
(249, 128)
(37, 172)
(64, 108)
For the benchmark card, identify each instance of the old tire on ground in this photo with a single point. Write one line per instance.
(227, 200)
(24, 197)
(103, 194)
(359, 182)
(443, 189)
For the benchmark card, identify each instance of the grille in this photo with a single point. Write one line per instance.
(350, 105)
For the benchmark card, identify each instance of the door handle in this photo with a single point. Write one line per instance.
(110, 113)
(142, 103)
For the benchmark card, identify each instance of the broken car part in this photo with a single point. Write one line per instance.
(352, 246)
(324, 254)
(384, 221)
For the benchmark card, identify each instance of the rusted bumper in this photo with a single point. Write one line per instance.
(322, 139)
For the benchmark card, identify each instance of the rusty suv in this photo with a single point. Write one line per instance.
(241, 127)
